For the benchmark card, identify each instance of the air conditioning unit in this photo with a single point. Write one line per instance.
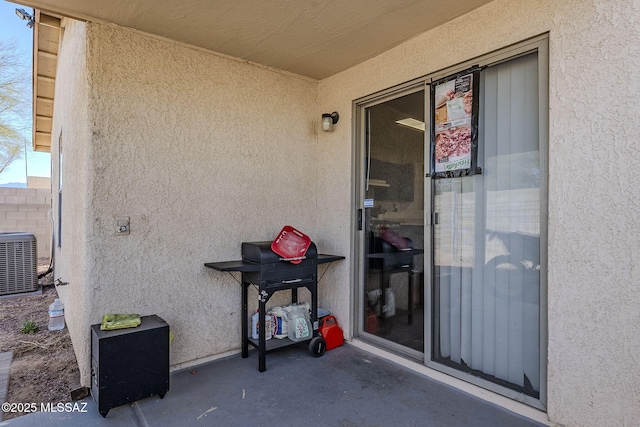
(18, 263)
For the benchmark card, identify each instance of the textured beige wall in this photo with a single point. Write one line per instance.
(594, 297)
(202, 153)
(72, 119)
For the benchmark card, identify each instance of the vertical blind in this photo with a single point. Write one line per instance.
(487, 240)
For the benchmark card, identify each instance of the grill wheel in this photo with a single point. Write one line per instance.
(317, 346)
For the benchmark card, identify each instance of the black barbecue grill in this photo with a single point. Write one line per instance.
(270, 273)
(273, 271)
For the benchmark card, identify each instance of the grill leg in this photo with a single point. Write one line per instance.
(262, 335)
(313, 289)
(410, 297)
(245, 320)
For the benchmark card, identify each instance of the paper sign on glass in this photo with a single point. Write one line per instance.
(454, 125)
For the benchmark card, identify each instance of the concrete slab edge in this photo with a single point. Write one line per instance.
(5, 369)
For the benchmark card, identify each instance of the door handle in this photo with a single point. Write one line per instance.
(434, 218)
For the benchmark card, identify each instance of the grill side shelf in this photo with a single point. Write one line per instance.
(238, 265)
(325, 258)
(248, 267)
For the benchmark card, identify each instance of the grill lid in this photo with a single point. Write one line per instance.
(261, 253)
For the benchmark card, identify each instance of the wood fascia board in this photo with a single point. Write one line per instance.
(45, 57)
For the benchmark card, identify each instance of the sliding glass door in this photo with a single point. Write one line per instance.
(486, 251)
(452, 267)
(393, 221)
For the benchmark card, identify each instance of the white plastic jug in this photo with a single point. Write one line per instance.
(389, 308)
(56, 315)
(255, 327)
(299, 325)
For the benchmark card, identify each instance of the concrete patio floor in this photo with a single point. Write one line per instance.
(345, 387)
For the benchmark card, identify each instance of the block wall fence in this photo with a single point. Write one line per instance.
(27, 210)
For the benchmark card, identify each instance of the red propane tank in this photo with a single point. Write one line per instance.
(331, 332)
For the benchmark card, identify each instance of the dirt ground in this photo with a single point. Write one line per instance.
(44, 367)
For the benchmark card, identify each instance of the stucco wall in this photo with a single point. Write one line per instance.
(594, 298)
(201, 153)
(71, 124)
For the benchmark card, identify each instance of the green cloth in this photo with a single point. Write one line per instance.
(119, 321)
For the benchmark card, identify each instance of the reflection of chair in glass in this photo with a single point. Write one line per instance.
(493, 302)
(388, 259)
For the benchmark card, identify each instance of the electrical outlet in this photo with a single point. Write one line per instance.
(122, 225)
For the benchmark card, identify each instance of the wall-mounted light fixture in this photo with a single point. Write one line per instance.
(22, 14)
(328, 120)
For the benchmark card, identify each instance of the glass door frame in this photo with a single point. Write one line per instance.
(359, 156)
(539, 44)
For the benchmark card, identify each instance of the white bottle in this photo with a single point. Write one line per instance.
(255, 326)
(56, 315)
(390, 306)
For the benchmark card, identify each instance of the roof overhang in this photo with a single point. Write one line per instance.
(310, 38)
(306, 38)
(46, 41)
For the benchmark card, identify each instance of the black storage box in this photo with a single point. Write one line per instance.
(129, 364)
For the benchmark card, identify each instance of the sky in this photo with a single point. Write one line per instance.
(13, 28)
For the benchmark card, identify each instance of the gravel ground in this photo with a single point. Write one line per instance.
(44, 367)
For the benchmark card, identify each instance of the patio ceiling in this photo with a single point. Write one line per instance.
(311, 38)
